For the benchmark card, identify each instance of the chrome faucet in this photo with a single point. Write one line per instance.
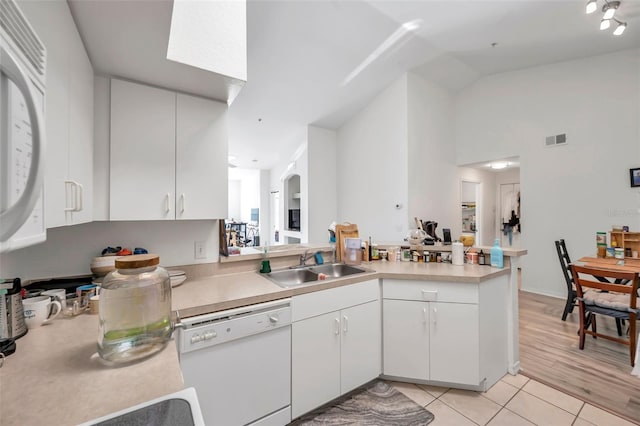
(304, 257)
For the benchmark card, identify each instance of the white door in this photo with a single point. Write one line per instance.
(201, 158)
(315, 362)
(454, 341)
(406, 339)
(360, 349)
(142, 172)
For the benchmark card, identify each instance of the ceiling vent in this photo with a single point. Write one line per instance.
(556, 140)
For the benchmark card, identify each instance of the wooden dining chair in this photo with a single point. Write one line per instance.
(565, 263)
(616, 300)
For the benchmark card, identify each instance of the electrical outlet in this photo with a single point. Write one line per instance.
(200, 250)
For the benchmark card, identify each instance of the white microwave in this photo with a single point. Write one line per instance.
(22, 130)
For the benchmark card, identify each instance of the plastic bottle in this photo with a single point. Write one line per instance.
(497, 258)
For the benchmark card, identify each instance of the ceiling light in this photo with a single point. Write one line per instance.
(609, 9)
(620, 28)
(499, 165)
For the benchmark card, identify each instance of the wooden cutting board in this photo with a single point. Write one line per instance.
(345, 230)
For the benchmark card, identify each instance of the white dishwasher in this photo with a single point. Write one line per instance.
(239, 362)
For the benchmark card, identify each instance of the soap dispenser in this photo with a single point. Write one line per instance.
(497, 258)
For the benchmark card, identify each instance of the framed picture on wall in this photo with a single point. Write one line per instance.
(634, 175)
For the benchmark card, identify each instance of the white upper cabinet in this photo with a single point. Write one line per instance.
(69, 115)
(168, 155)
(79, 184)
(201, 158)
(143, 128)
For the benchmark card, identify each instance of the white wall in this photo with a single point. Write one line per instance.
(69, 250)
(372, 166)
(434, 187)
(570, 191)
(279, 175)
(323, 209)
(265, 208)
(244, 193)
(235, 186)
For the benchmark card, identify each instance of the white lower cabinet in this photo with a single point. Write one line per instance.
(442, 333)
(336, 351)
(431, 341)
(406, 339)
(315, 362)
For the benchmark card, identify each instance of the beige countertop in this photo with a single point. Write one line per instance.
(220, 292)
(56, 378)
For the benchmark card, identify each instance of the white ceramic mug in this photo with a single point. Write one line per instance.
(38, 310)
(58, 294)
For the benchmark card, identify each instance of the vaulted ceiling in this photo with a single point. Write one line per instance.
(319, 62)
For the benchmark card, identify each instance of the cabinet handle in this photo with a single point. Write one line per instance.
(424, 315)
(67, 183)
(435, 317)
(74, 195)
(80, 197)
(167, 206)
(182, 203)
(346, 323)
(336, 330)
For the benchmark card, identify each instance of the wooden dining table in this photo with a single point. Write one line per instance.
(630, 265)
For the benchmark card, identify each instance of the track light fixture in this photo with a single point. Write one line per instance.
(609, 9)
(620, 28)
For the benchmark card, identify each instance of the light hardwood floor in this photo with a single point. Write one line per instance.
(549, 353)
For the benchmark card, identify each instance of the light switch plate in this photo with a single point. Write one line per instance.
(200, 250)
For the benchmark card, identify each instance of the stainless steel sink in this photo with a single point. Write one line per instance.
(299, 276)
(336, 270)
(292, 277)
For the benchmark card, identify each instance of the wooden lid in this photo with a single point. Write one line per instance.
(137, 261)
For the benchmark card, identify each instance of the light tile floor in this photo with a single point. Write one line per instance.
(513, 401)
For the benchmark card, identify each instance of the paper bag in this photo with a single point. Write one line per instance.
(345, 230)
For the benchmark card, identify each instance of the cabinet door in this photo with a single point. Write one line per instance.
(406, 339)
(361, 345)
(315, 362)
(454, 336)
(80, 133)
(201, 158)
(142, 178)
(53, 23)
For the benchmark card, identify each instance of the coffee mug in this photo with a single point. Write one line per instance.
(58, 294)
(39, 310)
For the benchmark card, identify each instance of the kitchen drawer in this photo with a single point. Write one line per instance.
(430, 291)
(320, 302)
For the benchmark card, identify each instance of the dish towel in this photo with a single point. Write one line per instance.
(636, 369)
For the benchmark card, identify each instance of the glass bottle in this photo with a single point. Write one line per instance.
(135, 309)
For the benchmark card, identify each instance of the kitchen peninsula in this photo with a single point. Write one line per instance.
(69, 361)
